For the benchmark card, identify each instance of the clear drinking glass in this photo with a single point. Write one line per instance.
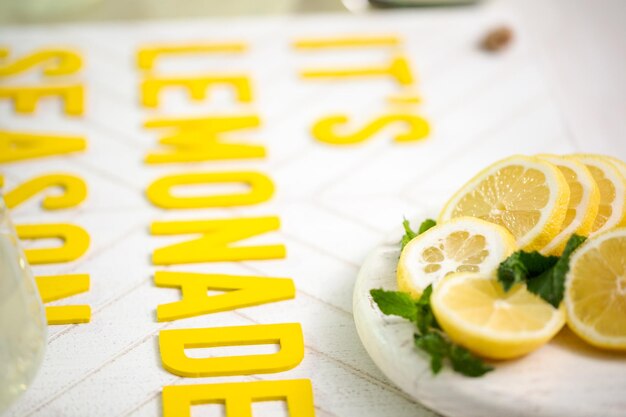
(22, 318)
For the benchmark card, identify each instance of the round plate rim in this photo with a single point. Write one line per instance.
(455, 395)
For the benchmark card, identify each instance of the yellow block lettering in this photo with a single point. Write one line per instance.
(74, 191)
(16, 146)
(215, 244)
(53, 62)
(201, 139)
(75, 314)
(347, 42)
(173, 343)
(197, 87)
(56, 287)
(25, 98)
(75, 242)
(147, 56)
(237, 292)
(410, 98)
(239, 396)
(259, 189)
(398, 69)
(324, 130)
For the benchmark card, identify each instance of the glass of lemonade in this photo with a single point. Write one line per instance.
(22, 318)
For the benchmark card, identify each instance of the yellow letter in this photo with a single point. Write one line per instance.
(405, 98)
(199, 139)
(398, 69)
(215, 245)
(53, 62)
(347, 42)
(75, 242)
(74, 191)
(239, 396)
(197, 87)
(56, 287)
(25, 98)
(259, 189)
(173, 343)
(324, 130)
(147, 56)
(18, 146)
(238, 291)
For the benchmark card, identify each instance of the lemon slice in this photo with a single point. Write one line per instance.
(612, 186)
(621, 165)
(595, 290)
(462, 244)
(584, 201)
(475, 312)
(526, 195)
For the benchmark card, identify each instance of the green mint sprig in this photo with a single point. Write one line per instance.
(409, 234)
(543, 275)
(429, 336)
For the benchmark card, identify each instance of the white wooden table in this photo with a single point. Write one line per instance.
(335, 204)
(582, 45)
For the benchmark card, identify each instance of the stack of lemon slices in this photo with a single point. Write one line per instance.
(534, 204)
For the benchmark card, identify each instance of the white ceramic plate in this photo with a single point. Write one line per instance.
(564, 378)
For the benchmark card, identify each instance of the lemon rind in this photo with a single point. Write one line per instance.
(585, 332)
(482, 341)
(583, 222)
(549, 223)
(612, 172)
(507, 245)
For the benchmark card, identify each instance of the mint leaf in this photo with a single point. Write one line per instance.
(521, 266)
(409, 234)
(463, 361)
(395, 303)
(550, 285)
(425, 318)
(436, 346)
(426, 224)
(440, 348)
(429, 336)
(433, 341)
(543, 275)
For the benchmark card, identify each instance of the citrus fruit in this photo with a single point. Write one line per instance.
(584, 201)
(526, 195)
(595, 290)
(462, 244)
(612, 186)
(621, 165)
(476, 312)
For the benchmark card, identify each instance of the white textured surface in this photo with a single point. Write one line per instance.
(563, 378)
(335, 203)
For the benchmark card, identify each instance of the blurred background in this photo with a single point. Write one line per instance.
(581, 43)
